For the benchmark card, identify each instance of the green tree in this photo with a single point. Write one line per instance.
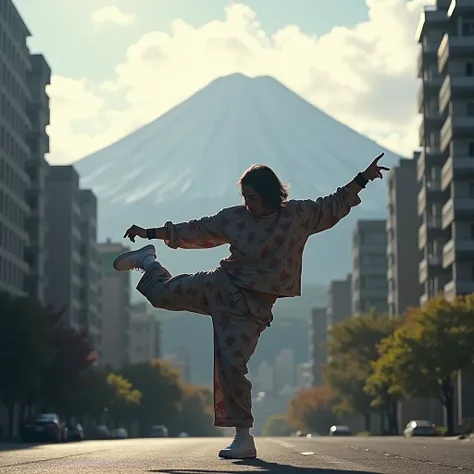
(381, 386)
(196, 413)
(425, 354)
(99, 391)
(311, 410)
(277, 425)
(352, 349)
(24, 350)
(161, 391)
(122, 397)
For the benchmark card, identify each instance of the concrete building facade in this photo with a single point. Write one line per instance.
(403, 255)
(339, 301)
(115, 308)
(446, 164)
(369, 266)
(37, 168)
(142, 334)
(72, 272)
(446, 169)
(317, 339)
(15, 64)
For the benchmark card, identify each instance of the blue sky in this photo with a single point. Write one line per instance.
(118, 64)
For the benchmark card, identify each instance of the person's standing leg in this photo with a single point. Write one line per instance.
(238, 321)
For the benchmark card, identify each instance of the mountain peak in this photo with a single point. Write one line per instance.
(186, 163)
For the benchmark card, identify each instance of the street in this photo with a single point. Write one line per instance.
(276, 455)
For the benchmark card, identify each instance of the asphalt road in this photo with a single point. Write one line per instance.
(276, 455)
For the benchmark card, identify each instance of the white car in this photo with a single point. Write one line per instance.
(340, 430)
(419, 428)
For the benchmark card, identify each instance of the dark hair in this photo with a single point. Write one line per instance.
(266, 184)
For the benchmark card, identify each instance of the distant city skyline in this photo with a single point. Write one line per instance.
(119, 65)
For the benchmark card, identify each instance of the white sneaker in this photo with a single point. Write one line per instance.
(242, 447)
(133, 260)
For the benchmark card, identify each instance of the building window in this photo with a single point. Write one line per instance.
(470, 109)
(469, 69)
(471, 190)
(468, 28)
(472, 231)
(471, 149)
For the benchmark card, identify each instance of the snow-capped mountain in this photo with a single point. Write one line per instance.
(186, 164)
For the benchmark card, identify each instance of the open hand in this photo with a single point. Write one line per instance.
(374, 170)
(135, 231)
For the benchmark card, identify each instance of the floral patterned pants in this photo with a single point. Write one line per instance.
(238, 319)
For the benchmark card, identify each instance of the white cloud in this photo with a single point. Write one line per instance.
(364, 76)
(111, 15)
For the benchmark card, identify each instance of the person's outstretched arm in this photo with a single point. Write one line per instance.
(325, 212)
(203, 233)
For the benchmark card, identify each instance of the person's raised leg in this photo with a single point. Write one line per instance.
(184, 292)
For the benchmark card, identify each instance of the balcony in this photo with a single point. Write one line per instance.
(458, 167)
(463, 249)
(421, 200)
(454, 46)
(449, 254)
(429, 189)
(432, 260)
(447, 214)
(458, 208)
(458, 287)
(455, 127)
(460, 6)
(429, 156)
(423, 271)
(422, 237)
(455, 87)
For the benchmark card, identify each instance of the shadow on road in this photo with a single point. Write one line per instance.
(268, 467)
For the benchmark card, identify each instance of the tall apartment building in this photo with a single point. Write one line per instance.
(72, 271)
(142, 334)
(14, 150)
(446, 101)
(317, 339)
(37, 168)
(406, 266)
(180, 361)
(404, 269)
(115, 308)
(339, 301)
(446, 169)
(369, 266)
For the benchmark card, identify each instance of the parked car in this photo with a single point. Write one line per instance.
(340, 430)
(159, 431)
(75, 432)
(44, 427)
(119, 433)
(101, 432)
(419, 428)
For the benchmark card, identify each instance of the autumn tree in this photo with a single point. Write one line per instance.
(312, 410)
(351, 350)
(73, 354)
(424, 355)
(161, 392)
(24, 350)
(196, 412)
